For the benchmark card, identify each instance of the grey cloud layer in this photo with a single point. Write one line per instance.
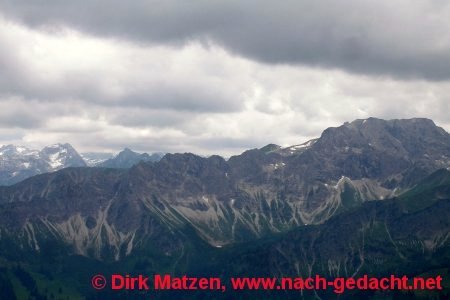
(407, 39)
(112, 75)
(215, 77)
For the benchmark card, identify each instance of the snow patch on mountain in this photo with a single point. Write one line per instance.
(306, 145)
(55, 160)
(297, 149)
(94, 159)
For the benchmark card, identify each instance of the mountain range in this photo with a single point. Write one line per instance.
(127, 158)
(368, 197)
(18, 163)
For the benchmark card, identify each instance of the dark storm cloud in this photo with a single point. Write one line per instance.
(397, 38)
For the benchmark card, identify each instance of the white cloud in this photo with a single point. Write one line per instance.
(97, 93)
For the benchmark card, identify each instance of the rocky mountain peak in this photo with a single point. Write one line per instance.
(60, 156)
(401, 136)
(18, 163)
(128, 158)
(269, 148)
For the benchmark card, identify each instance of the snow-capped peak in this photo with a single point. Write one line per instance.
(19, 162)
(59, 156)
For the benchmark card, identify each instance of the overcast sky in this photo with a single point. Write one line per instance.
(215, 77)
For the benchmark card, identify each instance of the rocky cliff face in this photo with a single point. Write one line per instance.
(107, 213)
(406, 235)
